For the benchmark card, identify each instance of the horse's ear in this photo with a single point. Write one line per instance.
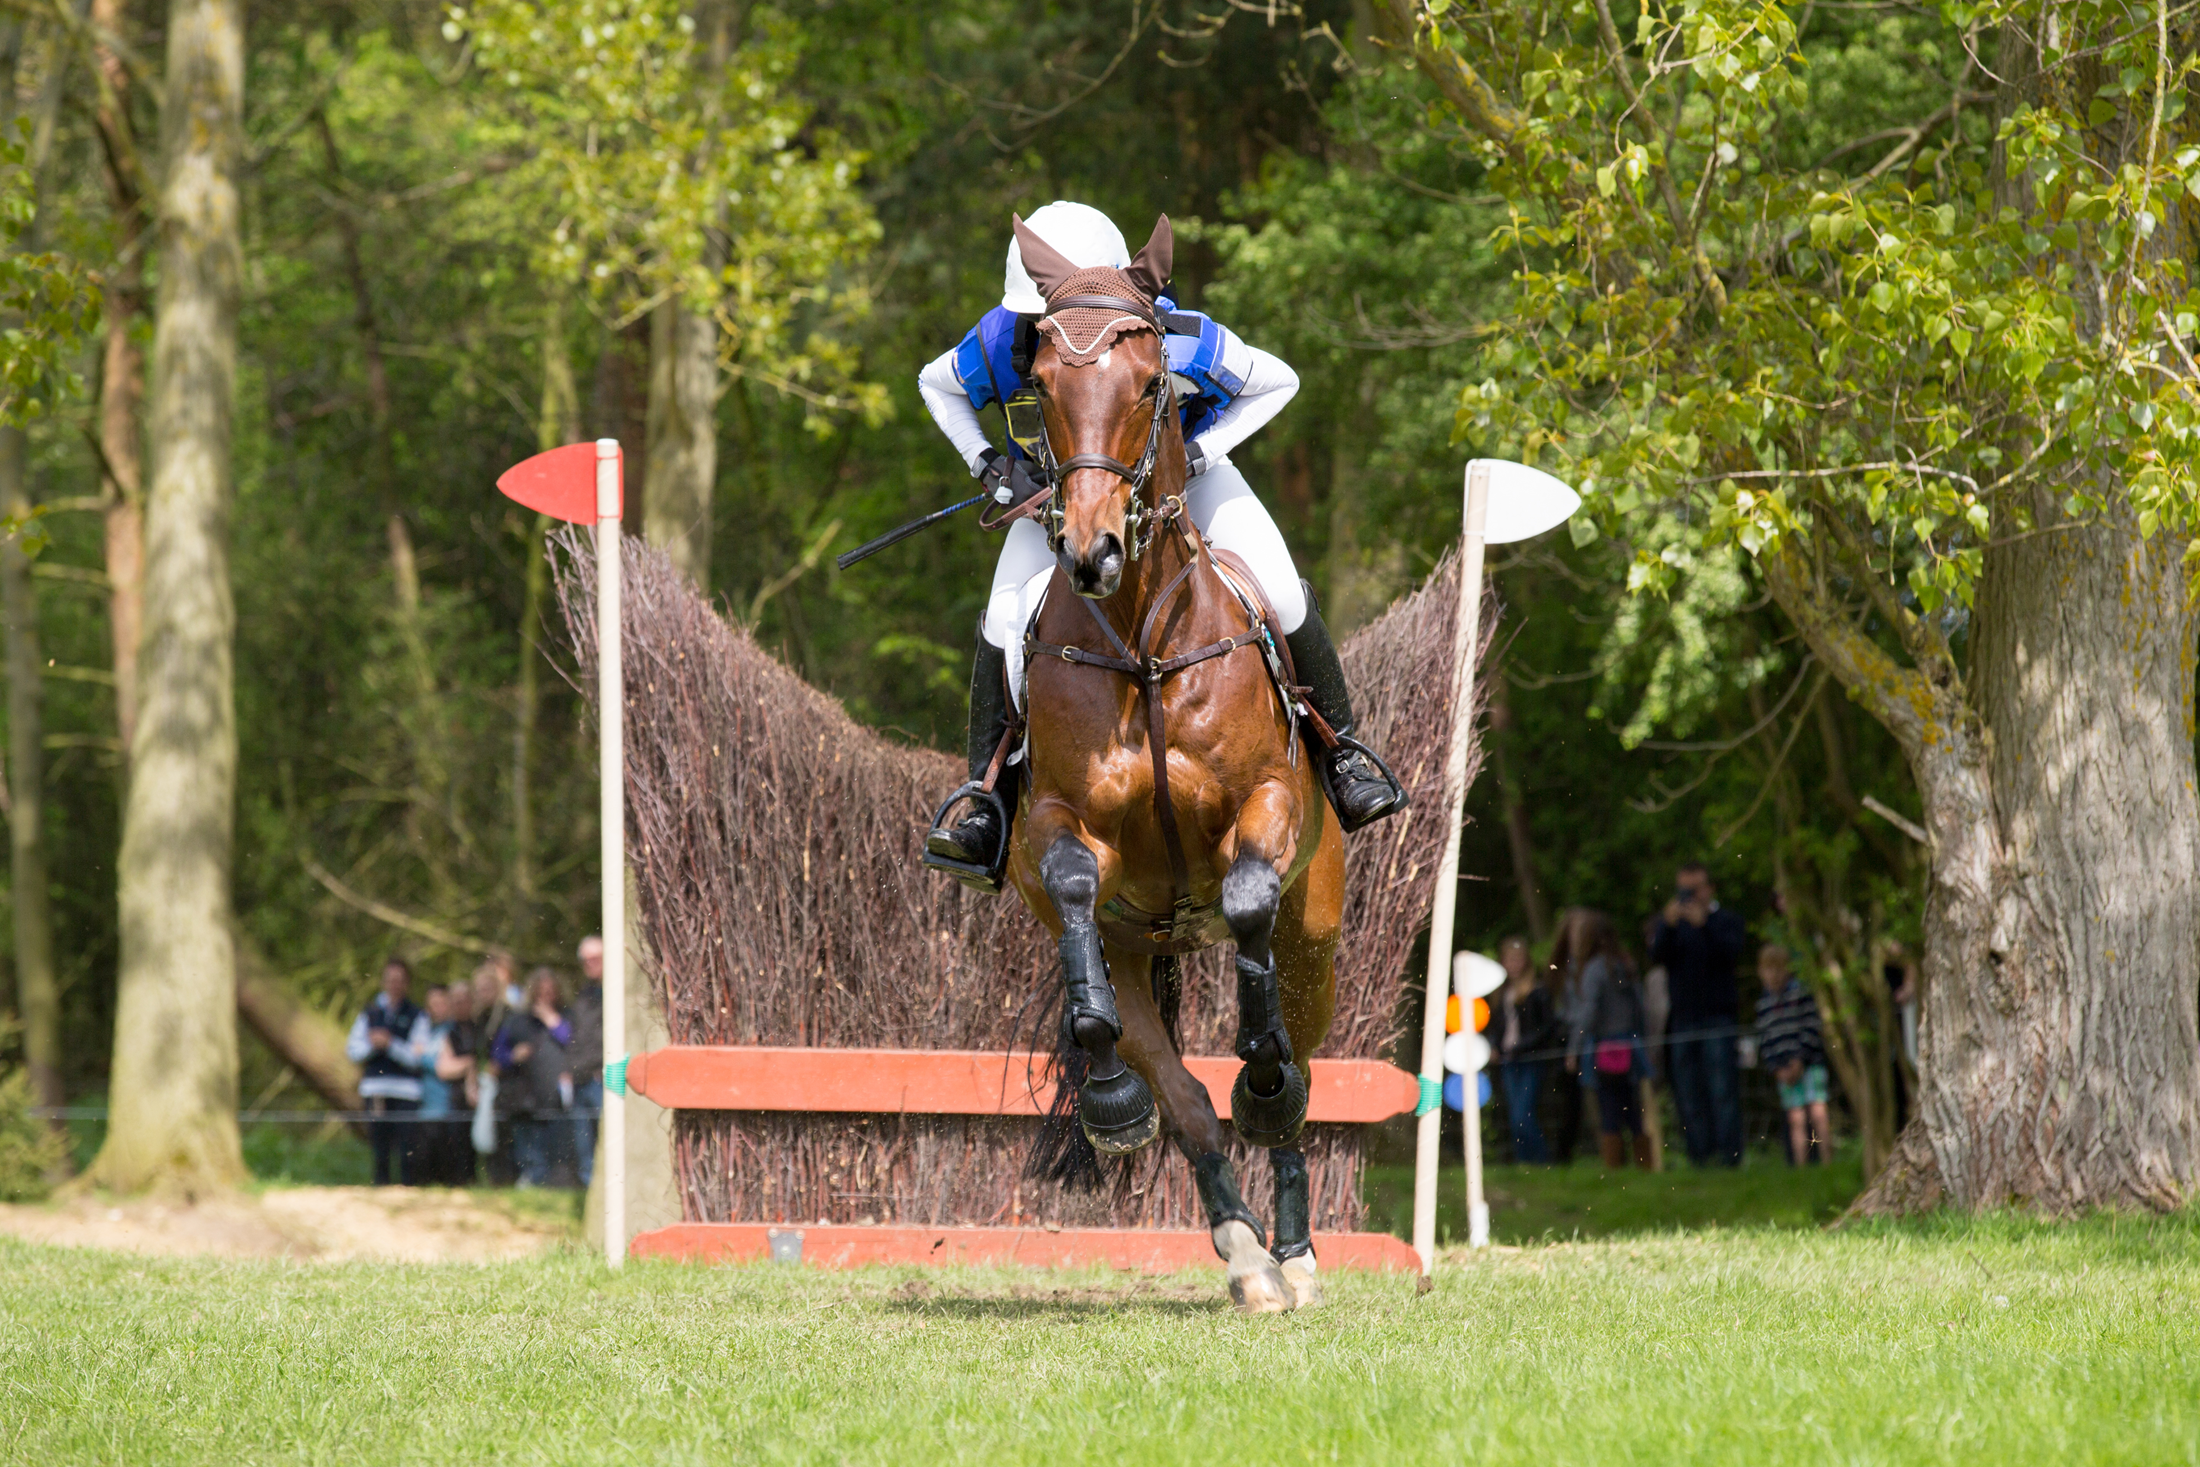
(1150, 271)
(1047, 266)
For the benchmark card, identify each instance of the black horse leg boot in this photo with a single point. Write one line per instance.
(1360, 787)
(979, 839)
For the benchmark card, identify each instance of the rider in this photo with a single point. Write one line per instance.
(1227, 390)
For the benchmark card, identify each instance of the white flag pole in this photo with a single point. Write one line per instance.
(611, 777)
(1466, 637)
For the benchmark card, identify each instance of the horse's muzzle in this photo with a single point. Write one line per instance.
(1098, 571)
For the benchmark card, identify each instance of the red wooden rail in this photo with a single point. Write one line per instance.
(1146, 1250)
(955, 1082)
(949, 1082)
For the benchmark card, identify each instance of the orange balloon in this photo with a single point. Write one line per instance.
(1481, 1014)
(1451, 1014)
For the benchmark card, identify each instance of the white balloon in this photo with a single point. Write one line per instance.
(1474, 976)
(1466, 1052)
(1523, 502)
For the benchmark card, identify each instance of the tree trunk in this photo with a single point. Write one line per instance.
(302, 1037)
(1517, 834)
(559, 423)
(2061, 1068)
(37, 996)
(121, 377)
(35, 992)
(683, 438)
(173, 1097)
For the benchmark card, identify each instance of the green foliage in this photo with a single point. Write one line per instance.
(664, 161)
(48, 302)
(1714, 322)
(31, 1151)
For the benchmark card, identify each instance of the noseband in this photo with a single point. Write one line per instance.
(1142, 523)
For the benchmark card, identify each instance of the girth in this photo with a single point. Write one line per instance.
(1148, 671)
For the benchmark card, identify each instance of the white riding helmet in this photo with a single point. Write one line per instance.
(1082, 233)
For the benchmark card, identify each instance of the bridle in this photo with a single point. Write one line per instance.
(1141, 523)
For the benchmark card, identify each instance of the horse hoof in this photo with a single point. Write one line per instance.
(1257, 1286)
(1263, 1291)
(1269, 1120)
(1118, 1113)
(1305, 1285)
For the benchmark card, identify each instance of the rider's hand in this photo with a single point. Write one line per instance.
(1023, 484)
(1195, 460)
(992, 471)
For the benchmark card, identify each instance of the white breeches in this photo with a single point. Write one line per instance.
(1226, 511)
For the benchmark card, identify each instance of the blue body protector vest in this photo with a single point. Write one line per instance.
(984, 364)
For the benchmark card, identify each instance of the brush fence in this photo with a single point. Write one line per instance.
(774, 843)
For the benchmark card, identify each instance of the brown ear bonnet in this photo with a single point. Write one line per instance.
(1082, 314)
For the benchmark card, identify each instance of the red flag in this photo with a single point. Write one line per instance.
(561, 483)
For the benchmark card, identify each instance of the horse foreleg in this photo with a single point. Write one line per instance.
(1305, 945)
(1294, 1247)
(1114, 1105)
(1257, 1286)
(1268, 1102)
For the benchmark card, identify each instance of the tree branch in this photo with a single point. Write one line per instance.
(1903, 699)
(403, 921)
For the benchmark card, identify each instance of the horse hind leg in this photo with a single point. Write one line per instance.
(1268, 1102)
(1294, 1247)
(1114, 1105)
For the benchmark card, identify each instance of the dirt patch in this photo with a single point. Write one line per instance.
(323, 1224)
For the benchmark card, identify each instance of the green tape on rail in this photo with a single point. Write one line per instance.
(1432, 1095)
(614, 1077)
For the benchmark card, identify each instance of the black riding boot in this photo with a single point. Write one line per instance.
(978, 838)
(1362, 791)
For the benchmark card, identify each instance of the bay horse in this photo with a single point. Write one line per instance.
(1169, 804)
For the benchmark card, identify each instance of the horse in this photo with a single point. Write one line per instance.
(1169, 804)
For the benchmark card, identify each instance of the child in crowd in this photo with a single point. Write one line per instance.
(1608, 1028)
(1791, 1045)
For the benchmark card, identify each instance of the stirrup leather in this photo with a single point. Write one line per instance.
(985, 879)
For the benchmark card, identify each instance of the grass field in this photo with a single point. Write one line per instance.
(1541, 1204)
(1999, 1341)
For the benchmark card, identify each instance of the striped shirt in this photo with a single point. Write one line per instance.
(1788, 1028)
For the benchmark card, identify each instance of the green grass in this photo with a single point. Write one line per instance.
(1549, 1204)
(2001, 1342)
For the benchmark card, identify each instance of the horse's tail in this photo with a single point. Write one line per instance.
(1061, 1153)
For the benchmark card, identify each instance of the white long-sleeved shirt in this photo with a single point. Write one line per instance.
(1269, 385)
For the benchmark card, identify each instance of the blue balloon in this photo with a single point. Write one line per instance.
(1455, 1090)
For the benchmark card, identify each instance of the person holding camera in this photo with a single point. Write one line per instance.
(1698, 943)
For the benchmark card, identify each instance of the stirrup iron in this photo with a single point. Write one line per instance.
(984, 879)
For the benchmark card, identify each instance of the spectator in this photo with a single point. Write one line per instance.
(1608, 1023)
(587, 1057)
(1561, 976)
(431, 1128)
(387, 1042)
(495, 1000)
(1526, 1031)
(1900, 971)
(454, 1064)
(1698, 942)
(532, 1056)
(1791, 1045)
